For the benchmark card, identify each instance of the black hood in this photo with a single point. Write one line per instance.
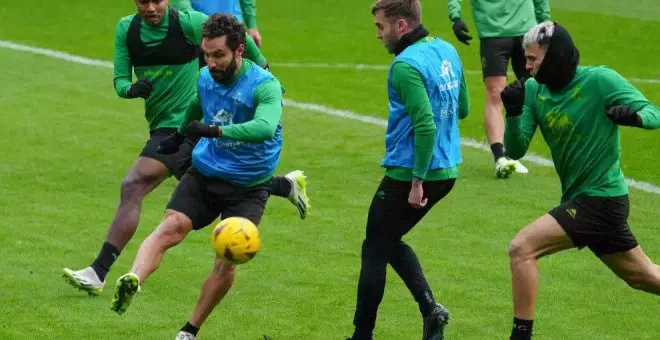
(560, 62)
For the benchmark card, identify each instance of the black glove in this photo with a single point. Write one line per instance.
(141, 88)
(461, 31)
(624, 115)
(513, 98)
(171, 144)
(198, 129)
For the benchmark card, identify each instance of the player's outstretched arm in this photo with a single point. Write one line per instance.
(625, 104)
(268, 103)
(650, 117)
(518, 100)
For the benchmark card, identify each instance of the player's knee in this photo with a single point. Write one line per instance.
(493, 91)
(518, 250)
(174, 228)
(133, 187)
(493, 97)
(372, 247)
(223, 268)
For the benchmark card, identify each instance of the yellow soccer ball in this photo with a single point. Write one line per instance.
(236, 239)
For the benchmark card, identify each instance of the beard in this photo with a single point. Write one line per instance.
(223, 76)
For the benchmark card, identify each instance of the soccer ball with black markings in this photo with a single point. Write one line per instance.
(236, 239)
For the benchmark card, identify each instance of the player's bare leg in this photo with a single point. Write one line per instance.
(636, 269)
(216, 286)
(145, 175)
(543, 237)
(171, 231)
(494, 126)
(493, 118)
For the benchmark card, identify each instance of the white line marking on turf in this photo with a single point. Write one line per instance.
(344, 66)
(55, 54)
(95, 62)
(535, 159)
(360, 67)
(469, 142)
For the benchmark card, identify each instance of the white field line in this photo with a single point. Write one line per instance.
(360, 67)
(531, 158)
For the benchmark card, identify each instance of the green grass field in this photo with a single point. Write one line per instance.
(68, 141)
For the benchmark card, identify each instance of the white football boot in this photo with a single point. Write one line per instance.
(298, 195)
(84, 279)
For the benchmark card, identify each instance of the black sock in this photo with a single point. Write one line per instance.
(104, 261)
(498, 150)
(522, 329)
(280, 186)
(190, 329)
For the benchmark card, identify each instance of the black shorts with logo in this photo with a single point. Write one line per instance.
(496, 53)
(203, 199)
(600, 223)
(177, 162)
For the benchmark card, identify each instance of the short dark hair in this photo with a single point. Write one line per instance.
(411, 10)
(218, 25)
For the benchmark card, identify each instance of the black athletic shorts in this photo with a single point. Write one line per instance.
(599, 223)
(203, 199)
(177, 162)
(496, 53)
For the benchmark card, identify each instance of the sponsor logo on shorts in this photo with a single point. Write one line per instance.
(572, 212)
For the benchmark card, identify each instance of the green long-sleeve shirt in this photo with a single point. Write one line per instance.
(174, 85)
(409, 85)
(503, 18)
(248, 10)
(268, 113)
(584, 142)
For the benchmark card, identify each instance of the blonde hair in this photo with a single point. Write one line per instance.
(539, 34)
(410, 10)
